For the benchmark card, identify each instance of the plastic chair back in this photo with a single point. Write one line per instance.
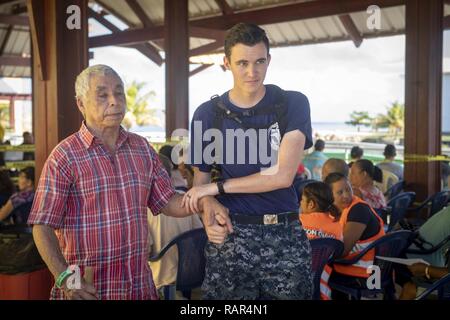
(323, 250)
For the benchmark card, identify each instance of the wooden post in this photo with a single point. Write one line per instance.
(423, 92)
(59, 55)
(177, 65)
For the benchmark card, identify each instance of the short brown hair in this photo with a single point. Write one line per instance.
(245, 33)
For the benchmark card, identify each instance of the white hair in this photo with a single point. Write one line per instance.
(82, 82)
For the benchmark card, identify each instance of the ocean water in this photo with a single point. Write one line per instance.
(340, 126)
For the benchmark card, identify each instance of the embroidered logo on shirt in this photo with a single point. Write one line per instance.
(274, 136)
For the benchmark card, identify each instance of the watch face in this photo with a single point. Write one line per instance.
(220, 187)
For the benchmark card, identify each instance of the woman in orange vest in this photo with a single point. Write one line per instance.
(361, 226)
(320, 219)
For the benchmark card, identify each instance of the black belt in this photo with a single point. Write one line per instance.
(267, 219)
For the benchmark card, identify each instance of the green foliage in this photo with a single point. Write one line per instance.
(394, 119)
(138, 110)
(359, 118)
(4, 119)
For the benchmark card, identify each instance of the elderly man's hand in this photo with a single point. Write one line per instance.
(86, 292)
(216, 220)
(216, 233)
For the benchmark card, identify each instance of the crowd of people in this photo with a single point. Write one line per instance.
(357, 189)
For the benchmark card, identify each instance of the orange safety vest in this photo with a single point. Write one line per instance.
(322, 225)
(359, 269)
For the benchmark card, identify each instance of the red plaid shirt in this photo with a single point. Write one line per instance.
(97, 204)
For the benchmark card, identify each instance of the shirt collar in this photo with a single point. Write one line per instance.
(87, 138)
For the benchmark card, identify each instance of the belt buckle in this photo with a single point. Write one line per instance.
(270, 219)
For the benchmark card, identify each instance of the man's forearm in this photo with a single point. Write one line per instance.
(174, 208)
(48, 247)
(264, 181)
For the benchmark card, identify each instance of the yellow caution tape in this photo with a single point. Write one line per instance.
(425, 158)
(19, 165)
(23, 148)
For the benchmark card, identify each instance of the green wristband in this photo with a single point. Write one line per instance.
(62, 277)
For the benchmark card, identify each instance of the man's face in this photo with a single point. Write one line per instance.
(248, 64)
(105, 104)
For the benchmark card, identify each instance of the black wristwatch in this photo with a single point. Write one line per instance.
(220, 186)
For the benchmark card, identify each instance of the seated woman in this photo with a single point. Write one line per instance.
(25, 195)
(361, 226)
(362, 176)
(319, 216)
(6, 187)
(320, 219)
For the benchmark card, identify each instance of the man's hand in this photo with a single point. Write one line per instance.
(86, 292)
(418, 269)
(191, 199)
(216, 220)
(216, 233)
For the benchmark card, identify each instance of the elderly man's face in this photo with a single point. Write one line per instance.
(105, 103)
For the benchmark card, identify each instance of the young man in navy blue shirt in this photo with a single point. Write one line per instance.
(255, 135)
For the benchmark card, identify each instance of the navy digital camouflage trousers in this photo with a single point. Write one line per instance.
(260, 262)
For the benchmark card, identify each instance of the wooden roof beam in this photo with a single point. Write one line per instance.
(146, 49)
(6, 2)
(14, 20)
(225, 7)
(113, 12)
(351, 29)
(140, 13)
(17, 61)
(200, 69)
(6, 39)
(292, 12)
(207, 33)
(207, 48)
(133, 36)
(102, 20)
(127, 37)
(15, 96)
(17, 9)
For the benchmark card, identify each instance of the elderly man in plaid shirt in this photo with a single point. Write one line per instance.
(90, 208)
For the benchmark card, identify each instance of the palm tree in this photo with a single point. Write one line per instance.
(394, 119)
(4, 114)
(359, 118)
(380, 121)
(138, 111)
(396, 116)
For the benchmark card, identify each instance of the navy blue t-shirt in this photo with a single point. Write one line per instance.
(250, 154)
